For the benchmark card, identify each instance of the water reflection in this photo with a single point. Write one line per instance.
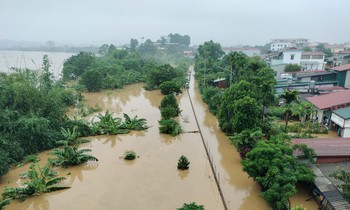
(183, 173)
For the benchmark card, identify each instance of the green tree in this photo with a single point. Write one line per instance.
(70, 156)
(226, 111)
(147, 48)
(134, 43)
(236, 61)
(92, 80)
(170, 126)
(292, 67)
(103, 50)
(210, 50)
(156, 76)
(246, 114)
(170, 101)
(170, 87)
(345, 177)
(191, 206)
(47, 78)
(272, 165)
(76, 65)
(289, 96)
(246, 140)
(41, 180)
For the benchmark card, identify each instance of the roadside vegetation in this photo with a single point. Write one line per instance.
(243, 111)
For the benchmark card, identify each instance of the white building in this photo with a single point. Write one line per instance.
(280, 44)
(249, 51)
(312, 61)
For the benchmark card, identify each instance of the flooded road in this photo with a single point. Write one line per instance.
(152, 181)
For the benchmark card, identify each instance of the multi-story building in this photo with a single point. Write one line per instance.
(279, 44)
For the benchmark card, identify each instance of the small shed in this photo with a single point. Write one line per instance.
(221, 83)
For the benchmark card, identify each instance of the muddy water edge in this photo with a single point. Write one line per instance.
(152, 180)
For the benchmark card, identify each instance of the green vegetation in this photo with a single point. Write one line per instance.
(292, 68)
(41, 180)
(70, 156)
(183, 163)
(129, 155)
(298, 207)
(32, 112)
(170, 126)
(4, 202)
(247, 111)
(191, 206)
(107, 124)
(345, 177)
(170, 87)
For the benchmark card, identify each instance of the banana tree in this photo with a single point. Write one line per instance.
(70, 156)
(134, 123)
(41, 180)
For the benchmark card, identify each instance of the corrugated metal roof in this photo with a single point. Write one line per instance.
(331, 99)
(344, 113)
(327, 146)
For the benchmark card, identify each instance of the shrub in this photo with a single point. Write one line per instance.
(169, 112)
(129, 155)
(191, 206)
(292, 68)
(169, 87)
(183, 163)
(170, 126)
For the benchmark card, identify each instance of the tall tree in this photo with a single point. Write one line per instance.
(290, 96)
(134, 43)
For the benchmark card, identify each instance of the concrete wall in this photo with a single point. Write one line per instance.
(288, 57)
(347, 80)
(276, 46)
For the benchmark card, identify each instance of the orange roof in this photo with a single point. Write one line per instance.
(331, 100)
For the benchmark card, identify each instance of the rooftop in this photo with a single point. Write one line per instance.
(312, 73)
(331, 100)
(327, 146)
(313, 53)
(345, 67)
(344, 113)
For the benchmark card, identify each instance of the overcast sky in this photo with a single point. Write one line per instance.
(229, 22)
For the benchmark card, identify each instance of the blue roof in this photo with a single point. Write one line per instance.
(344, 113)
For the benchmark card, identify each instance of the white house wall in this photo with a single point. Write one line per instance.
(347, 123)
(347, 80)
(346, 133)
(287, 57)
(337, 120)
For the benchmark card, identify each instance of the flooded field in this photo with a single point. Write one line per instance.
(152, 181)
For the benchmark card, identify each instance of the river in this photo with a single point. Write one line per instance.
(152, 182)
(32, 60)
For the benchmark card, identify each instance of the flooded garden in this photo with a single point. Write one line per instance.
(152, 180)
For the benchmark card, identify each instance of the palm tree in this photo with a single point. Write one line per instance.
(71, 156)
(289, 96)
(41, 180)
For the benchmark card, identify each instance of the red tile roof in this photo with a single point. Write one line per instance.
(327, 146)
(331, 100)
(342, 67)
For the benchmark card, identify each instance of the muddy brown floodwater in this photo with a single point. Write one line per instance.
(152, 181)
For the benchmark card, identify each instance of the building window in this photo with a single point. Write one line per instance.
(292, 56)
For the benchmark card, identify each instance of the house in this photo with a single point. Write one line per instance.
(249, 51)
(316, 75)
(312, 61)
(336, 48)
(339, 58)
(280, 44)
(343, 75)
(341, 117)
(328, 150)
(221, 83)
(327, 103)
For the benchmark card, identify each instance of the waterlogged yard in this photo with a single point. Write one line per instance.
(152, 180)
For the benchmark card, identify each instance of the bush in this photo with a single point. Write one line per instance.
(170, 87)
(183, 163)
(191, 206)
(292, 68)
(170, 126)
(92, 80)
(129, 155)
(169, 112)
